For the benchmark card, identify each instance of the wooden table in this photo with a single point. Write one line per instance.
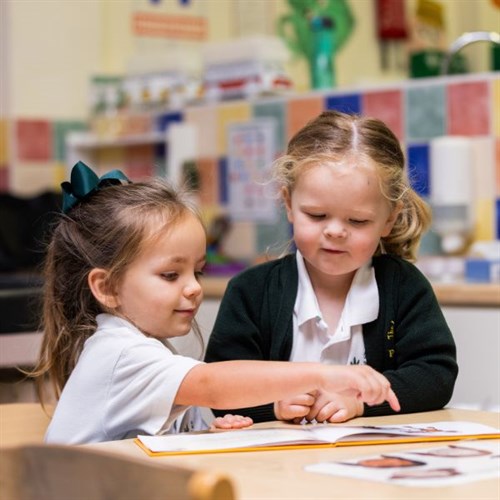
(281, 475)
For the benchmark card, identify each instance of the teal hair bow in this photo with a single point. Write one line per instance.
(84, 183)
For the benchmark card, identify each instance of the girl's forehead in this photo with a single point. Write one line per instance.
(347, 167)
(351, 160)
(162, 224)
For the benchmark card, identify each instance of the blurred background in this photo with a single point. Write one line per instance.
(210, 91)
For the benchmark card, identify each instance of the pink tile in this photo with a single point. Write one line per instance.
(497, 166)
(386, 106)
(468, 108)
(300, 111)
(34, 140)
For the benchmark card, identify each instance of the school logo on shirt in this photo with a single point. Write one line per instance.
(390, 340)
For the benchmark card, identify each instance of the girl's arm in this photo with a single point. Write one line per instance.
(239, 384)
(425, 352)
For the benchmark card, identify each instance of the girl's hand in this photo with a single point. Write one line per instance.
(335, 408)
(295, 408)
(231, 422)
(361, 381)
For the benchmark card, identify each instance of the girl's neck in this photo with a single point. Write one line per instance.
(336, 287)
(331, 293)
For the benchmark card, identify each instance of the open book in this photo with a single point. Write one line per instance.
(311, 436)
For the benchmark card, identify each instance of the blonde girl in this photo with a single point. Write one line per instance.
(349, 294)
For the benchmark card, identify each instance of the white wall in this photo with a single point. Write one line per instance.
(477, 335)
(55, 45)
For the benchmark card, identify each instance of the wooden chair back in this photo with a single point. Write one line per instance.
(61, 472)
(23, 423)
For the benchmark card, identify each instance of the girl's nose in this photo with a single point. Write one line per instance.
(193, 288)
(335, 230)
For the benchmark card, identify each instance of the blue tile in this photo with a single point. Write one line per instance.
(497, 218)
(419, 168)
(164, 120)
(350, 103)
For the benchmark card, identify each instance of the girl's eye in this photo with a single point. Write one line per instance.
(169, 276)
(198, 274)
(316, 216)
(357, 222)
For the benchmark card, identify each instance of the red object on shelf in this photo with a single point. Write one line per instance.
(391, 20)
(391, 28)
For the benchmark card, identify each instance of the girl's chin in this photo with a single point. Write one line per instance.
(170, 335)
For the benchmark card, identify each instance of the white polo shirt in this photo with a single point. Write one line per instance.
(313, 340)
(123, 384)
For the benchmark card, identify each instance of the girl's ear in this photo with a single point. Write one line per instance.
(392, 219)
(99, 286)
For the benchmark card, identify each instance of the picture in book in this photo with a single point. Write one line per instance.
(444, 465)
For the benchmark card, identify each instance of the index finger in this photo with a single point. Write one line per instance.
(393, 400)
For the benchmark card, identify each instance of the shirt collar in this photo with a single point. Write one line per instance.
(105, 321)
(362, 301)
(306, 304)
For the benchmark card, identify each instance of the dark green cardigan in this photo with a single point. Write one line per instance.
(409, 342)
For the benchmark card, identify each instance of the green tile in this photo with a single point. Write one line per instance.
(60, 130)
(276, 110)
(272, 239)
(425, 112)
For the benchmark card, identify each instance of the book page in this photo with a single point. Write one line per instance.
(425, 431)
(438, 466)
(227, 439)
(310, 434)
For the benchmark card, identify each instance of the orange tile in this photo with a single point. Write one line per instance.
(300, 111)
(208, 171)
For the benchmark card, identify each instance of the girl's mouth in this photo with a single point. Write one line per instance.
(186, 312)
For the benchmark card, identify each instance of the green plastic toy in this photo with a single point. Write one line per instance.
(317, 30)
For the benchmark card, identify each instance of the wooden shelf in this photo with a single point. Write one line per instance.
(91, 141)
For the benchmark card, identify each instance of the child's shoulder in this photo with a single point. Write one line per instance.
(272, 277)
(263, 270)
(389, 266)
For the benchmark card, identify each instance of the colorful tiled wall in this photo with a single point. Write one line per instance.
(417, 111)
